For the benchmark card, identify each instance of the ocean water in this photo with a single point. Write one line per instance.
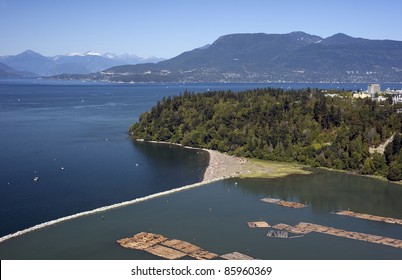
(214, 217)
(73, 137)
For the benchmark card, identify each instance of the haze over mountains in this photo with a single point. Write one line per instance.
(260, 57)
(74, 63)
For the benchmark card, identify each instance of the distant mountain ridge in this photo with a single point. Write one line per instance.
(11, 73)
(260, 57)
(74, 63)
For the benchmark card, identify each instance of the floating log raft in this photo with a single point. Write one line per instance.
(236, 256)
(163, 247)
(370, 217)
(182, 246)
(259, 224)
(304, 228)
(299, 230)
(189, 249)
(202, 255)
(165, 252)
(141, 241)
(284, 203)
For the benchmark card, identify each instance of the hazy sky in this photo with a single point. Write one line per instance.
(166, 28)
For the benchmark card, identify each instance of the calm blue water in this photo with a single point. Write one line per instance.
(73, 136)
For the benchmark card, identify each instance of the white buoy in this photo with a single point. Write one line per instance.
(62, 168)
(136, 164)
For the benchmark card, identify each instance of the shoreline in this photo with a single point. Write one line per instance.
(256, 168)
(221, 166)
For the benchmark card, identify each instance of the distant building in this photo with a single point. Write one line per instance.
(397, 98)
(374, 89)
(332, 95)
(361, 95)
(380, 98)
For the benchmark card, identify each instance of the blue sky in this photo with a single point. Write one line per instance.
(168, 28)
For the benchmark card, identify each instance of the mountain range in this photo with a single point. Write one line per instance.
(256, 57)
(260, 57)
(33, 64)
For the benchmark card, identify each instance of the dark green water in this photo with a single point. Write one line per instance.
(214, 217)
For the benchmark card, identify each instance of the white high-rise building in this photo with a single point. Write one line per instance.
(373, 89)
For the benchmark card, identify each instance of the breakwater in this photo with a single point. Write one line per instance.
(106, 208)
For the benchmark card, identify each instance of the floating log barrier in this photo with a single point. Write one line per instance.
(236, 256)
(259, 224)
(284, 203)
(370, 217)
(163, 247)
(304, 228)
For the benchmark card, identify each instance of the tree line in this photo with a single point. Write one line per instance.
(273, 124)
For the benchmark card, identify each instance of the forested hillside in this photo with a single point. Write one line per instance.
(296, 125)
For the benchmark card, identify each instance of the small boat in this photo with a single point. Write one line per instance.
(36, 179)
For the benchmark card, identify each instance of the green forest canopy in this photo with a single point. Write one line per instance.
(295, 125)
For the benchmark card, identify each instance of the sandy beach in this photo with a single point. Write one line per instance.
(223, 166)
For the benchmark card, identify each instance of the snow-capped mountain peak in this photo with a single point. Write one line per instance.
(92, 53)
